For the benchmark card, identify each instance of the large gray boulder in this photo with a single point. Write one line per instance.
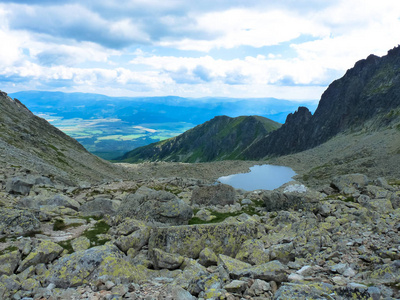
(99, 207)
(17, 222)
(292, 196)
(132, 234)
(189, 241)
(56, 200)
(270, 271)
(220, 194)
(81, 267)
(350, 183)
(45, 252)
(23, 185)
(9, 262)
(155, 206)
(18, 185)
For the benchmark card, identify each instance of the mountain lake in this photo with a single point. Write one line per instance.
(265, 177)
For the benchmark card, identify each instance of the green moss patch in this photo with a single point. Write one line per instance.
(8, 249)
(67, 246)
(220, 217)
(100, 227)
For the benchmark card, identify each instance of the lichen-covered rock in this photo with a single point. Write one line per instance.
(220, 194)
(270, 271)
(17, 222)
(138, 237)
(258, 288)
(207, 286)
(232, 265)
(378, 205)
(164, 260)
(349, 184)
(191, 273)
(236, 286)
(189, 241)
(57, 200)
(80, 243)
(253, 252)
(84, 266)
(155, 206)
(127, 226)
(304, 291)
(99, 207)
(395, 199)
(9, 262)
(205, 215)
(282, 252)
(30, 284)
(45, 252)
(61, 200)
(208, 257)
(10, 283)
(178, 293)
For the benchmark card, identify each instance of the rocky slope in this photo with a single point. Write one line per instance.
(28, 142)
(341, 242)
(370, 89)
(218, 139)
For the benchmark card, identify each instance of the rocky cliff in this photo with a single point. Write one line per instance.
(28, 142)
(218, 139)
(371, 88)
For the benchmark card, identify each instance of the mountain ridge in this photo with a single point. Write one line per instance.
(220, 138)
(371, 89)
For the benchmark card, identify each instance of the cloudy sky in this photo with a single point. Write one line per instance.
(288, 49)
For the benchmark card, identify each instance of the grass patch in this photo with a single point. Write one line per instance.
(60, 225)
(8, 249)
(349, 199)
(67, 246)
(220, 217)
(100, 227)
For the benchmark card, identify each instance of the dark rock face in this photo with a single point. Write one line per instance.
(370, 88)
(18, 185)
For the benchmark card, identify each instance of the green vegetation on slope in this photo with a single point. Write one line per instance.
(218, 139)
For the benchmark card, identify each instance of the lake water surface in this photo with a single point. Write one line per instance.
(266, 177)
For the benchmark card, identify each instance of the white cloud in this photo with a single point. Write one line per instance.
(239, 27)
(73, 46)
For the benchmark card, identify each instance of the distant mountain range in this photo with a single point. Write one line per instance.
(371, 89)
(112, 126)
(218, 139)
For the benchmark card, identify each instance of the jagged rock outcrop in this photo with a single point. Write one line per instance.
(370, 88)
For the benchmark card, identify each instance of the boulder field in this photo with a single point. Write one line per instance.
(175, 238)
